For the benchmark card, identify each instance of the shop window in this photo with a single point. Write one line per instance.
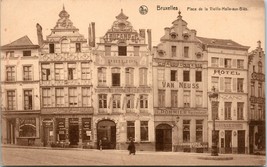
(187, 98)
(59, 71)
(46, 97)
(72, 71)
(102, 81)
(61, 129)
(51, 48)
(199, 130)
(85, 70)
(143, 76)
(130, 130)
(199, 98)
(102, 101)
(73, 98)
(227, 110)
(240, 82)
(198, 76)
(240, 108)
(215, 83)
(214, 62)
(174, 98)
(130, 101)
(59, 97)
(78, 47)
(143, 101)
(86, 97)
(116, 76)
(11, 100)
(173, 51)
(252, 88)
(9, 54)
(240, 64)
(144, 130)
(129, 76)
(45, 68)
(27, 99)
(87, 131)
(136, 50)
(260, 93)
(227, 82)
(186, 51)
(116, 101)
(27, 53)
(10, 73)
(122, 50)
(27, 73)
(161, 96)
(27, 127)
(174, 75)
(186, 76)
(186, 131)
(227, 63)
(161, 74)
(107, 50)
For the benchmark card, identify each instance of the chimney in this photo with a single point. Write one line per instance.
(142, 33)
(89, 35)
(93, 34)
(39, 34)
(259, 44)
(149, 39)
(167, 31)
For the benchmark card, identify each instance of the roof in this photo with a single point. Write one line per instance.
(21, 43)
(221, 43)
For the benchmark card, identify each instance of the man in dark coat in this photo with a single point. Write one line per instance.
(131, 147)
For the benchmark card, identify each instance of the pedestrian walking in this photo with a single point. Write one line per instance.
(100, 145)
(131, 147)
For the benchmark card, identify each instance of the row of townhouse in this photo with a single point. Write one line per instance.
(73, 90)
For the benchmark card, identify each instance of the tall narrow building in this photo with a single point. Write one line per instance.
(123, 88)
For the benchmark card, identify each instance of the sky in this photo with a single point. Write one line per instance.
(246, 27)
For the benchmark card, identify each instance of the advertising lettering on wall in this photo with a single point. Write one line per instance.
(229, 125)
(113, 36)
(179, 112)
(227, 72)
(179, 85)
(169, 63)
(119, 61)
(194, 145)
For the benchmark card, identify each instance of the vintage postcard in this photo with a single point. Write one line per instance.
(123, 82)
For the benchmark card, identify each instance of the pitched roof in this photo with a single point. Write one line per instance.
(21, 43)
(221, 43)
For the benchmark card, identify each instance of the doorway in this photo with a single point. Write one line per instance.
(163, 137)
(106, 132)
(228, 141)
(241, 141)
(73, 131)
(11, 124)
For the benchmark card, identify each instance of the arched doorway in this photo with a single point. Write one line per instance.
(106, 132)
(163, 137)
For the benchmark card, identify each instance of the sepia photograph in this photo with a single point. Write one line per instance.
(133, 83)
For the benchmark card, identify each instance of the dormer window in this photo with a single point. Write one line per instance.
(161, 53)
(173, 35)
(65, 46)
(51, 48)
(78, 47)
(199, 55)
(27, 53)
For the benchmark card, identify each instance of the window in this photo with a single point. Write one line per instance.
(73, 98)
(86, 97)
(11, 100)
(199, 98)
(85, 70)
(240, 84)
(59, 72)
(173, 51)
(252, 111)
(174, 98)
(27, 73)
(102, 101)
(65, 48)
(227, 82)
(116, 77)
(161, 96)
(260, 90)
(214, 62)
(174, 76)
(240, 64)
(186, 75)
(130, 130)
(186, 130)
(59, 97)
(215, 83)
(227, 110)
(143, 76)
(136, 50)
(254, 68)
(240, 108)
(198, 76)
(260, 67)
(122, 50)
(9, 54)
(143, 101)
(116, 101)
(260, 113)
(60, 123)
(130, 101)
(187, 98)
(215, 109)
(71, 71)
(129, 76)
(161, 74)
(45, 72)
(78, 47)
(51, 48)
(27, 127)
(199, 130)
(46, 94)
(252, 88)
(101, 76)
(227, 63)
(27, 53)
(186, 51)
(144, 130)
(107, 50)
(27, 99)
(10, 73)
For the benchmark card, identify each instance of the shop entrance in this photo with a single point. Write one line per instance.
(47, 131)
(11, 124)
(228, 141)
(163, 137)
(73, 131)
(106, 132)
(241, 141)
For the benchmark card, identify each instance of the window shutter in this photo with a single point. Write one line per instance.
(221, 84)
(221, 62)
(234, 84)
(234, 63)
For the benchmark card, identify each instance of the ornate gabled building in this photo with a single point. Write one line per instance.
(20, 107)
(65, 84)
(123, 87)
(180, 90)
(256, 100)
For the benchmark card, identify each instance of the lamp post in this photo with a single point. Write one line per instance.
(214, 109)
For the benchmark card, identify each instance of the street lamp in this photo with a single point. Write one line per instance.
(214, 109)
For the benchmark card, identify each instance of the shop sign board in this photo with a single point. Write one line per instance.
(177, 85)
(121, 61)
(179, 112)
(173, 63)
(193, 145)
(228, 126)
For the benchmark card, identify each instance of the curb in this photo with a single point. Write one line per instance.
(216, 158)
